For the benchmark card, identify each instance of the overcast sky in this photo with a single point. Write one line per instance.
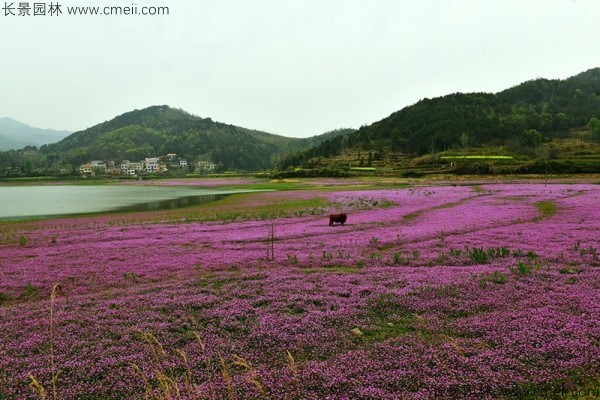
(291, 67)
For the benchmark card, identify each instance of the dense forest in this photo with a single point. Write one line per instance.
(521, 117)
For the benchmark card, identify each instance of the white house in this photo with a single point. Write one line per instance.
(125, 165)
(98, 165)
(151, 165)
(206, 165)
(130, 168)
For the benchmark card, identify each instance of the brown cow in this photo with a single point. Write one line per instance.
(341, 218)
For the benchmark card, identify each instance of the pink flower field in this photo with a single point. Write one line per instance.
(468, 292)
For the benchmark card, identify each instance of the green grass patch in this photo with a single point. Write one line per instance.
(393, 326)
(295, 309)
(372, 169)
(477, 157)
(385, 319)
(496, 277)
(333, 269)
(546, 208)
(413, 216)
(5, 298)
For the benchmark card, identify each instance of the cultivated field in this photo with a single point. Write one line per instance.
(471, 291)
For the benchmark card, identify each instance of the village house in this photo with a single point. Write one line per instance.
(151, 165)
(113, 171)
(206, 165)
(126, 167)
(99, 166)
(87, 169)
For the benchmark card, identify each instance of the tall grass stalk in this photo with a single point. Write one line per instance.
(254, 378)
(227, 378)
(37, 386)
(54, 372)
(167, 384)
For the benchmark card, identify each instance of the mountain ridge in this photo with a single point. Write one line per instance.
(520, 121)
(521, 117)
(15, 135)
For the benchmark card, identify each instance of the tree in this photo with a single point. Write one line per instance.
(594, 127)
(533, 138)
(561, 122)
(464, 141)
(28, 167)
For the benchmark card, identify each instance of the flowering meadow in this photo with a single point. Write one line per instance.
(473, 291)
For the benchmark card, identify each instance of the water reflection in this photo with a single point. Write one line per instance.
(173, 203)
(35, 202)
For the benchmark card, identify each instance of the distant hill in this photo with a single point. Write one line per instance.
(16, 135)
(159, 130)
(520, 118)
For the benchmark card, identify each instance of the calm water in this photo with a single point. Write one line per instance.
(26, 202)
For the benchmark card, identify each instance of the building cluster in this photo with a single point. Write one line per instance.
(148, 165)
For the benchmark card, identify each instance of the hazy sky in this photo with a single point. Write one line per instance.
(291, 67)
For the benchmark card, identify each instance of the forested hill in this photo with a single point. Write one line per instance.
(159, 130)
(534, 111)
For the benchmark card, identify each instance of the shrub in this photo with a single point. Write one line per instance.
(496, 277)
(474, 168)
(4, 298)
(30, 290)
(521, 269)
(412, 174)
(479, 255)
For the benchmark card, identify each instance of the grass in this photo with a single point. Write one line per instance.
(496, 277)
(476, 157)
(333, 269)
(390, 327)
(172, 376)
(363, 169)
(54, 371)
(546, 208)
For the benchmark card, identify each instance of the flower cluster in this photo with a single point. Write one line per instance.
(444, 292)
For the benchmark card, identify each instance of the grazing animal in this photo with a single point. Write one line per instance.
(341, 218)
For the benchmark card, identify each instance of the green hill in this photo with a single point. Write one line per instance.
(519, 121)
(159, 130)
(542, 119)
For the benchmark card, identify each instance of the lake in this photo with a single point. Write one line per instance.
(30, 202)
